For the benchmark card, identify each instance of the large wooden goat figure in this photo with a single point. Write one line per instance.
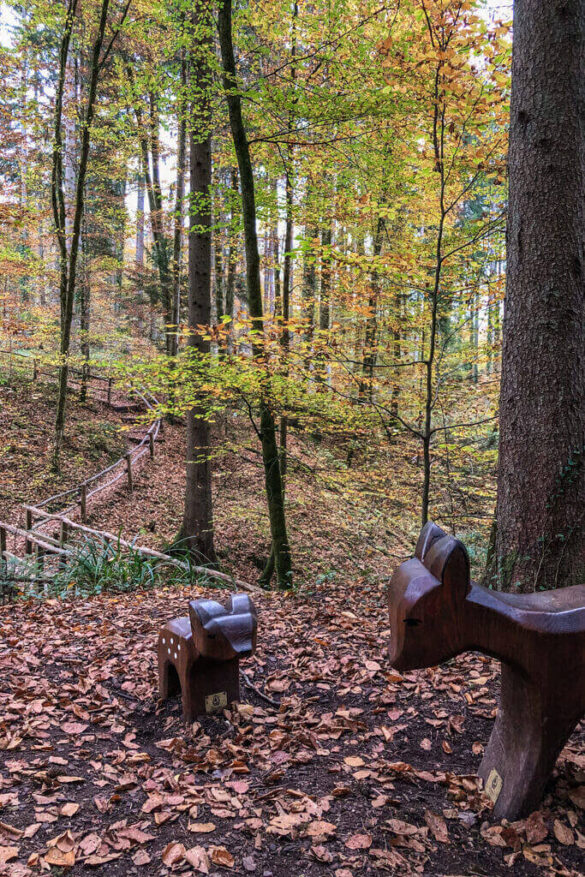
(200, 655)
(436, 612)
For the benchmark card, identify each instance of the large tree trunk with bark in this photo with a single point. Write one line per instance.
(197, 530)
(541, 481)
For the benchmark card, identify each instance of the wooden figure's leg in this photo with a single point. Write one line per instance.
(169, 683)
(212, 685)
(530, 730)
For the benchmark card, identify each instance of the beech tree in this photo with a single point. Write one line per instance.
(541, 480)
(69, 244)
(197, 529)
(280, 548)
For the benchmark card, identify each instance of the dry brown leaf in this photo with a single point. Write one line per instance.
(398, 826)
(437, 826)
(10, 832)
(359, 842)
(221, 856)
(173, 853)
(577, 797)
(141, 858)
(535, 828)
(69, 809)
(198, 859)
(321, 853)
(320, 828)
(55, 856)
(8, 853)
(201, 827)
(354, 761)
(563, 833)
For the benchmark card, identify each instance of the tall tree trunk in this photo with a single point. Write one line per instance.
(270, 456)
(309, 284)
(69, 260)
(161, 241)
(197, 529)
(429, 361)
(140, 219)
(173, 342)
(140, 242)
(84, 313)
(371, 334)
(218, 261)
(541, 475)
(231, 260)
(325, 291)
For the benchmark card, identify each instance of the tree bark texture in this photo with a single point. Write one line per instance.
(541, 481)
(197, 530)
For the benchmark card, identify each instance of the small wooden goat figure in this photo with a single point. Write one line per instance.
(436, 612)
(200, 655)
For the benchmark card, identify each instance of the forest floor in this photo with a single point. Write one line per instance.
(353, 769)
(27, 412)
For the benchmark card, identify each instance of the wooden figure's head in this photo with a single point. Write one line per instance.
(427, 602)
(224, 632)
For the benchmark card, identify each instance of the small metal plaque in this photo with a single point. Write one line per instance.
(494, 784)
(215, 702)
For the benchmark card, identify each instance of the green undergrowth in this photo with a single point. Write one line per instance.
(98, 567)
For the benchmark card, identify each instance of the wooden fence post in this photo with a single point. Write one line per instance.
(83, 502)
(63, 537)
(129, 471)
(2, 548)
(34, 369)
(28, 526)
(109, 390)
(151, 445)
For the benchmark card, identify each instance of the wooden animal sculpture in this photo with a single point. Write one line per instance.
(436, 612)
(200, 655)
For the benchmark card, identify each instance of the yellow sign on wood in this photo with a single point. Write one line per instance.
(494, 784)
(215, 702)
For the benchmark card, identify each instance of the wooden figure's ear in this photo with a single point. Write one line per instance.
(202, 612)
(429, 534)
(448, 562)
(240, 604)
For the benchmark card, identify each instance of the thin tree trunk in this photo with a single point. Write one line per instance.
(309, 285)
(218, 262)
(371, 334)
(162, 248)
(69, 265)
(429, 362)
(232, 250)
(270, 456)
(173, 342)
(140, 242)
(84, 314)
(325, 291)
(541, 474)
